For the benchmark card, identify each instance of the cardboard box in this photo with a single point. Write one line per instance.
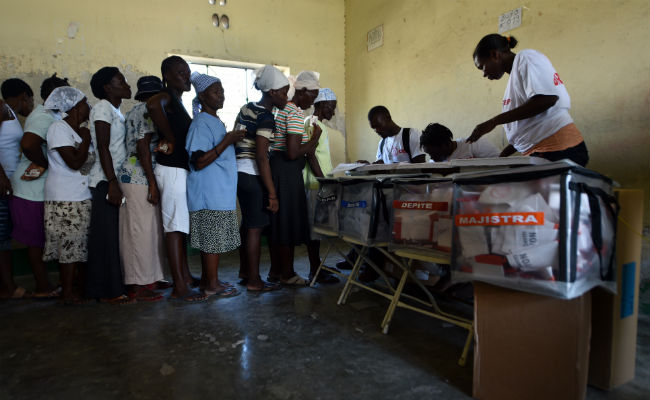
(529, 346)
(615, 317)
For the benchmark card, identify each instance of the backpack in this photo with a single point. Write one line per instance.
(406, 143)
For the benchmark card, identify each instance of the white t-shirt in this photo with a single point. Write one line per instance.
(533, 74)
(394, 152)
(104, 111)
(10, 134)
(479, 149)
(63, 183)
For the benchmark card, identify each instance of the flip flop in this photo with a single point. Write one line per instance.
(121, 300)
(243, 282)
(325, 278)
(295, 280)
(227, 292)
(273, 279)
(192, 296)
(19, 293)
(54, 294)
(142, 293)
(266, 287)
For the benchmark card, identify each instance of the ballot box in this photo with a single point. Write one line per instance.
(421, 213)
(326, 210)
(547, 229)
(364, 213)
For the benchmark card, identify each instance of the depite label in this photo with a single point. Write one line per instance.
(499, 219)
(421, 205)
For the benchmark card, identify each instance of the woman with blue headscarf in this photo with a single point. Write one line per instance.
(212, 184)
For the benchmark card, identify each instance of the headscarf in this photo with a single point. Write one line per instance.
(325, 94)
(200, 83)
(63, 99)
(270, 78)
(304, 80)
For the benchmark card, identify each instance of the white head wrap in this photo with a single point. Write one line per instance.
(325, 94)
(304, 80)
(63, 99)
(200, 83)
(307, 80)
(270, 78)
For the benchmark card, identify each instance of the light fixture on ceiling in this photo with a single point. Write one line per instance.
(215, 20)
(222, 2)
(212, 2)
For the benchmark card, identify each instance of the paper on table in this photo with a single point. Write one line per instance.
(340, 169)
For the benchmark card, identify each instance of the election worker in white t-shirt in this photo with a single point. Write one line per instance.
(391, 148)
(438, 142)
(535, 104)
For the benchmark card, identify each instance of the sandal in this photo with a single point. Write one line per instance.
(273, 279)
(19, 293)
(243, 282)
(119, 300)
(192, 296)
(295, 280)
(141, 293)
(227, 292)
(325, 278)
(54, 294)
(162, 285)
(266, 287)
(75, 301)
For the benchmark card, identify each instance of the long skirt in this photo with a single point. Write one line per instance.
(104, 271)
(142, 249)
(289, 226)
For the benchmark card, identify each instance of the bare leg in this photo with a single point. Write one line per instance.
(35, 255)
(243, 253)
(313, 251)
(253, 250)
(210, 272)
(7, 284)
(276, 261)
(66, 272)
(174, 242)
(285, 254)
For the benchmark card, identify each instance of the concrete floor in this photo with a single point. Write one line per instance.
(288, 344)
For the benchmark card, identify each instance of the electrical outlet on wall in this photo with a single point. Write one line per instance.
(510, 20)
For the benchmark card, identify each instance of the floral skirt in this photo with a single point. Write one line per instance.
(66, 231)
(213, 231)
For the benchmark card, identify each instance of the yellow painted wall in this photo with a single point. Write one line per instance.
(135, 35)
(424, 71)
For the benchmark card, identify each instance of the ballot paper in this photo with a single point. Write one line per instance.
(442, 232)
(473, 240)
(535, 257)
(505, 193)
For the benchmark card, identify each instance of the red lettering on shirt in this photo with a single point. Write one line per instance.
(557, 80)
(506, 102)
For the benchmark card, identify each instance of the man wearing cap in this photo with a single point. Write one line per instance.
(141, 234)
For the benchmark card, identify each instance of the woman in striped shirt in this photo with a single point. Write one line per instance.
(291, 149)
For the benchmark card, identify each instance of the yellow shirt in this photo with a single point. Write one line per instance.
(322, 155)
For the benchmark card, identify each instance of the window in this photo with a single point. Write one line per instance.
(237, 81)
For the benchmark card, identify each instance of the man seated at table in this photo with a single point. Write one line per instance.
(397, 144)
(438, 142)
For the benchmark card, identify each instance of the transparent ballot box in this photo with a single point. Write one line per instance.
(547, 229)
(326, 210)
(421, 214)
(364, 213)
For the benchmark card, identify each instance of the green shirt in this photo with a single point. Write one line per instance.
(322, 155)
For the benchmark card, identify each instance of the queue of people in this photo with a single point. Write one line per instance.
(110, 197)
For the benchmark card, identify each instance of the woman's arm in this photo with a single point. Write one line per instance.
(262, 158)
(202, 159)
(534, 106)
(75, 158)
(156, 108)
(508, 151)
(103, 135)
(31, 144)
(314, 165)
(295, 149)
(144, 155)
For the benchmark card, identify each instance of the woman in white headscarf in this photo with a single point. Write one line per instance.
(67, 194)
(255, 190)
(292, 148)
(211, 184)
